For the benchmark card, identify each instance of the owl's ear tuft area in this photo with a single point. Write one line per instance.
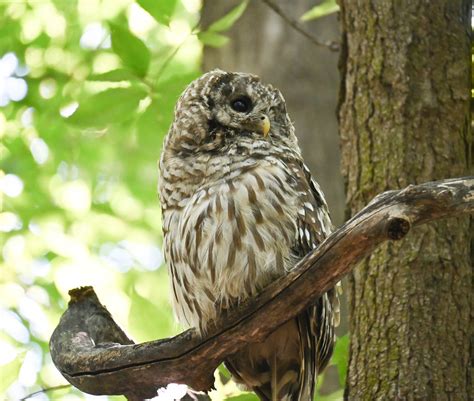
(223, 83)
(210, 103)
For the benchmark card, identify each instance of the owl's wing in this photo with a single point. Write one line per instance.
(317, 322)
(305, 343)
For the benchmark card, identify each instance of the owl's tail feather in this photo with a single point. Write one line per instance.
(281, 368)
(272, 388)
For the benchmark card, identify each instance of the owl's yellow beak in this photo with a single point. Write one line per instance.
(264, 125)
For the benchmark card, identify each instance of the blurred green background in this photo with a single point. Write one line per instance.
(87, 90)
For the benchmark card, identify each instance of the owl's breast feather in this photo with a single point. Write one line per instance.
(229, 241)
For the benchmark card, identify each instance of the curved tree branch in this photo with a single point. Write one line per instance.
(97, 357)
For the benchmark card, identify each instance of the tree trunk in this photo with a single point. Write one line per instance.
(263, 44)
(404, 118)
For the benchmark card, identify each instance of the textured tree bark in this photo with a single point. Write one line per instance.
(404, 118)
(263, 44)
(97, 357)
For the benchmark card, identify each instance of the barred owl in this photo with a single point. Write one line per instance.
(240, 209)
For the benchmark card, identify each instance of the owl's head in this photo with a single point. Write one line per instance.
(222, 109)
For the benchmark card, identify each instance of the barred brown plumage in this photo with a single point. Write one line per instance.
(239, 210)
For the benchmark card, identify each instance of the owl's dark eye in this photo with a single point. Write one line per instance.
(242, 104)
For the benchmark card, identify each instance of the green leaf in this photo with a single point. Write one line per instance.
(141, 326)
(341, 357)
(160, 10)
(212, 39)
(118, 75)
(130, 49)
(336, 396)
(110, 106)
(10, 373)
(224, 23)
(325, 8)
(244, 397)
(224, 372)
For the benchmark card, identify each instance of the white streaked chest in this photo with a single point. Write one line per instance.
(229, 241)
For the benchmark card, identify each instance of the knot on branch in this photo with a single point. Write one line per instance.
(397, 228)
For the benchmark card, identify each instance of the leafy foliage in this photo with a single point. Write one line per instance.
(114, 104)
(326, 7)
(162, 11)
(10, 374)
(213, 34)
(226, 22)
(85, 105)
(340, 357)
(130, 49)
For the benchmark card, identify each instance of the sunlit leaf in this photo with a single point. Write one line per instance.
(341, 357)
(213, 39)
(130, 49)
(160, 10)
(60, 392)
(325, 8)
(244, 397)
(118, 75)
(226, 22)
(110, 106)
(336, 396)
(144, 320)
(225, 374)
(10, 373)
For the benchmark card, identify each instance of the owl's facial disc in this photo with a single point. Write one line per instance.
(240, 101)
(259, 123)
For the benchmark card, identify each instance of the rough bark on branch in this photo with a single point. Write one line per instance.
(97, 357)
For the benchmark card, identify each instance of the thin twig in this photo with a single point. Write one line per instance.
(331, 45)
(46, 390)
